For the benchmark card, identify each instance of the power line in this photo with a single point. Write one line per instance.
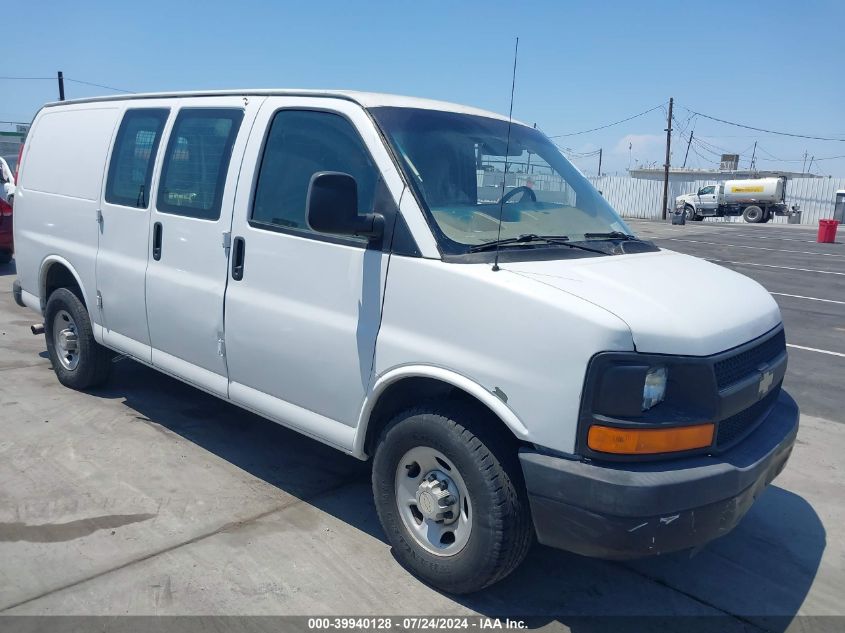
(602, 127)
(571, 153)
(78, 81)
(773, 158)
(759, 129)
(88, 83)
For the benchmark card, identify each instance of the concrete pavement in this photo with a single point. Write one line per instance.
(151, 497)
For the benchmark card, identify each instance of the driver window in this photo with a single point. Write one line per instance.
(301, 143)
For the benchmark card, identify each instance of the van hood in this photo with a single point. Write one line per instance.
(673, 303)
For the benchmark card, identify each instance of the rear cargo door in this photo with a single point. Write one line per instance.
(189, 237)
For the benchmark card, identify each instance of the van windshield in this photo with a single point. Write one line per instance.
(459, 164)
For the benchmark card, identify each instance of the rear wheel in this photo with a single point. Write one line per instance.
(78, 360)
(753, 214)
(449, 493)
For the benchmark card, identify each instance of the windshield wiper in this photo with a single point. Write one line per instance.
(558, 240)
(612, 235)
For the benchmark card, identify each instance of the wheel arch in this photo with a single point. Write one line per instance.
(402, 387)
(57, 272)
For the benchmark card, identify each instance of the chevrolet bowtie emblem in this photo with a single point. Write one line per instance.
(766, 380)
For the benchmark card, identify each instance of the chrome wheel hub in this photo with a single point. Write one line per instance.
(437, 498)
(433, 502)
(66, 340)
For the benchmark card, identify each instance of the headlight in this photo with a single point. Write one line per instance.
(619, 413)
(654, 387)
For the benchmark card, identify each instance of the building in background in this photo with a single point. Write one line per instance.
(680, 174)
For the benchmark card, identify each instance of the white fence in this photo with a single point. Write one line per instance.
(640, 198)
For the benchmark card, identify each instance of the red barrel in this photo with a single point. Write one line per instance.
(827, 231)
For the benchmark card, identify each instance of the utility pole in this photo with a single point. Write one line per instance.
(666, 164)
(810, 167)
(804, 164)
(61, 86)
(753, 155)
(600, 161)
(689, 142)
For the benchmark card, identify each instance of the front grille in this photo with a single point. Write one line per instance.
(737, 367)
(734, 428)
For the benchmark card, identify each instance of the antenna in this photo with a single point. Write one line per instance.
(507, 151)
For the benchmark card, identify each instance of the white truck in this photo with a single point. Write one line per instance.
(756, 200)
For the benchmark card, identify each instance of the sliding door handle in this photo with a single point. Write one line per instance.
(238, 258)
(157, 230)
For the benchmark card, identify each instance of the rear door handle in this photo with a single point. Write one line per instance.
(157, 230)
(238, 258)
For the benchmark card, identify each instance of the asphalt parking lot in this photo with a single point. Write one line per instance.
(807, 280)
(151, 497)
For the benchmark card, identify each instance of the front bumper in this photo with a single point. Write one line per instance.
(630, 510)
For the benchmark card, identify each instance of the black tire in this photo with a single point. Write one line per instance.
(94, 361)
(501, 529)
(753, 214)
(5, 257)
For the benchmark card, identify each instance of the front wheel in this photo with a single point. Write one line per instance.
(78, 360)
(449, 493)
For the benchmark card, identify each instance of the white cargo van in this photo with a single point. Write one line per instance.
(420, 283)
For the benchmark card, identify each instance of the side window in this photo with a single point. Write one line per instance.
(299, 144)
(196, 162)
(133, 157)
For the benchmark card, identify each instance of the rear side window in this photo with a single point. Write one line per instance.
(133, 157)
(301, 143)
(196, 162)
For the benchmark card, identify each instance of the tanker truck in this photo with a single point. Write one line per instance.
(756, 200)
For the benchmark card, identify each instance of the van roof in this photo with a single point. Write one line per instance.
(365, 99)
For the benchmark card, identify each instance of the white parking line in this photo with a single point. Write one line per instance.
(813, 349)
(783, 294)
(803, 270)
(658, 231)
(761, 248)
(774, 237)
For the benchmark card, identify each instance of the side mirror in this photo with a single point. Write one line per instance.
(332, 207)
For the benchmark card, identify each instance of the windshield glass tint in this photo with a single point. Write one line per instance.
(459, 165)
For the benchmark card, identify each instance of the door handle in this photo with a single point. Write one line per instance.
(238, 257)
(157, 241)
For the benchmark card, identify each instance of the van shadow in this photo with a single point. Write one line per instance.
(759, 574)
(761, 571)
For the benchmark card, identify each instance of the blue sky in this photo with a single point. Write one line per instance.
(775, 65)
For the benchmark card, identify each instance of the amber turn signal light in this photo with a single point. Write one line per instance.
(606, 439)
